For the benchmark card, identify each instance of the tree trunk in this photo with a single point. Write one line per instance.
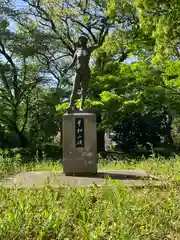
(22, 138)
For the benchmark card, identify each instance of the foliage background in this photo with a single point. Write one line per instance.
(134, 83)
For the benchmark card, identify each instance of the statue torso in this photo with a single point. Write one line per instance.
(83, 57)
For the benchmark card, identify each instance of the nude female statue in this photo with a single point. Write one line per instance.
(81, 60)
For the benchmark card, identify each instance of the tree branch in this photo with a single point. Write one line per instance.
(25, 69)
(4, 95)
(14, 69)
(123, 56)
(47, 18)
(85, 27)
(68, 30)
(5, 81)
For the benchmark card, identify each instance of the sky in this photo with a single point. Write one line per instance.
(19, 4)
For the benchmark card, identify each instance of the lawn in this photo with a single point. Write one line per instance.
(110, 212)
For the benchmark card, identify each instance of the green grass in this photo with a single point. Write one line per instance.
(9, 166)
(110, 212)
(160, 167)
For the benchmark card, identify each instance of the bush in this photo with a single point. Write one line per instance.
(51, 151)
(32, 153)
(9, 165)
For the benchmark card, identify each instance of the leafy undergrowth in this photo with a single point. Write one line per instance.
(10, 166)
(110, 212)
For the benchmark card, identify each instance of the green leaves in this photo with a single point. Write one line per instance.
(61, 108)
(135, 88)
(135, 32)
(160, 19)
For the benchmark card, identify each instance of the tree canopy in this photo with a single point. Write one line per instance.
(134, 74)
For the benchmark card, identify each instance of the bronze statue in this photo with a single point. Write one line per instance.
(81, 60)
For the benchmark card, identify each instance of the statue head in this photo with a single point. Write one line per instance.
(83, 40)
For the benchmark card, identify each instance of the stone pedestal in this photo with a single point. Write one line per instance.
(79, 143)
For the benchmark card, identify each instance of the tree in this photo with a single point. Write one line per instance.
(19, 75)
(44, 122)
(54, 28)
(129, 95)
(44, 43)
(139, 129)
(161, 21)
(57, 24)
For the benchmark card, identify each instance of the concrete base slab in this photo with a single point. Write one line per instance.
(56, 179)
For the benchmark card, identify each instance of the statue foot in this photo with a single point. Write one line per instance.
(72, 109)
(75, 108)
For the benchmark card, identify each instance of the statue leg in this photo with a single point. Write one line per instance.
(76, 86)
(84, 87)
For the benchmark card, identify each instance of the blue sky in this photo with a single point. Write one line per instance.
(19, 4)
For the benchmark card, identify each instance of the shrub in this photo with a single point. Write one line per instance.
(9, 165)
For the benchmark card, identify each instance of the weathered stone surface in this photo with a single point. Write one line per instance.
(39, 179)
(79, 157)
(125, 174)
